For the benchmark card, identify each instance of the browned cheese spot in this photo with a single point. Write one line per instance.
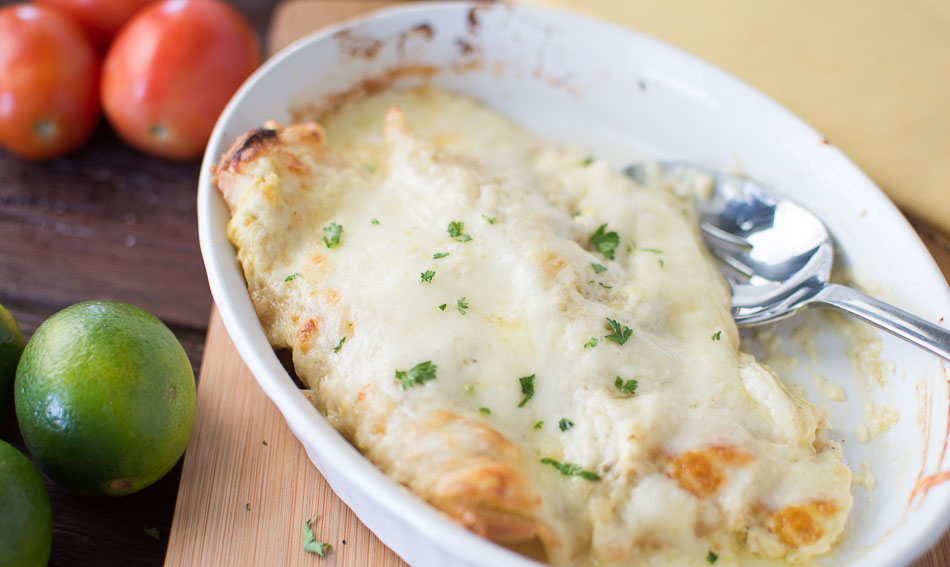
(306, 334)
(802, 525)
(701, 472)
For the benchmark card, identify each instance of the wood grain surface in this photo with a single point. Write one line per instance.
(236, 489)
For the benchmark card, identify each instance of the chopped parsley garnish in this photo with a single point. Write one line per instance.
(598, 268)
(468, 388)
(660, 260)
(369, 168)
(310, 543)
(292, 277)
(627, 388)
(427, 276)
(605, 242)
(152, 531)
(247, 506)
(619, 334)
(717, 335)
(539, 425)
(455, 231)
(484, 411)
(264, 442)
(438, 255)
(568, 469)
(653, 250)
(591, 343)
(565, 424)
(587, 161)
(605, 286)
(332, 234)
(491, 220)
(339, 345)
(711, 557)
(461, 305)
(373, 221)
(417, 375)
(443, 306)
(527, 388)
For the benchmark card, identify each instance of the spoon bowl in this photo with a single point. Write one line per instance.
(777, 257)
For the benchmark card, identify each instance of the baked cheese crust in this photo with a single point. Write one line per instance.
(525, 338)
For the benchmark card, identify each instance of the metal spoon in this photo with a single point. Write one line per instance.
(777, 256)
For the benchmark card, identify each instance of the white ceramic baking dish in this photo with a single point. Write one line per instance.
(622, 95)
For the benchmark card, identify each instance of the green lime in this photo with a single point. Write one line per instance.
(26, 522)
(105, 398)
(11, 345)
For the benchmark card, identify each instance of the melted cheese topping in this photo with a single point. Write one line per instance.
(710, 453)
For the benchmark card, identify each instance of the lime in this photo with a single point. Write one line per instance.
(26, 522)
(105, 398)
(11, 345)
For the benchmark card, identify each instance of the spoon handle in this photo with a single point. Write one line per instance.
(893, 320)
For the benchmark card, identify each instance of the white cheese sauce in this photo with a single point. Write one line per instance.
(710, 453)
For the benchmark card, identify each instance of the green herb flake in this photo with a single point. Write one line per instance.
(605, 242)
(605, 286)
(568, 469)
(598, 268)
(539, 425)
(717, 336)
(484, 411)
(461, 305)
(247, 506)
(310, 543)
(292, 277)
(527, 388)
(332, 234)
(660, 260)
(627, 388)
(468, 388)
(455, 231)
(369, 168)
(565, 424)
(373, 221)
(587, 161)
(438, 255)
(443, 306)
(264, 443)
(652, 250)
(491, 220)
(417, 375)
(619, 333)
(426, 276)
(591, 343)
(339, 345)
(152, 531)
(711, 557)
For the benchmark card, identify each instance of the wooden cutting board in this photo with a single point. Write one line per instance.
(247, 486)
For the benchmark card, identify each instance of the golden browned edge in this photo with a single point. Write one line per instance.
(489, 495)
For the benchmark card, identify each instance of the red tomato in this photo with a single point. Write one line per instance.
(49, 79)
(170, 72)
(100, 18)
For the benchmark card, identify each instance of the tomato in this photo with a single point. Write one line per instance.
(49, 79)
(171, 70)
(100, 18)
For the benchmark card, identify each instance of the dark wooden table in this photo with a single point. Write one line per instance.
(107, 222)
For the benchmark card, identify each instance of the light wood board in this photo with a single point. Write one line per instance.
(242, 502)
